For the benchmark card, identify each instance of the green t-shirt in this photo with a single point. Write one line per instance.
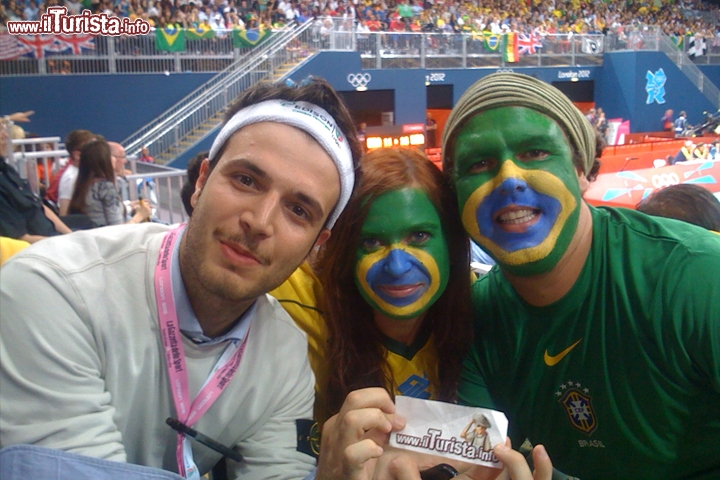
(621, 377)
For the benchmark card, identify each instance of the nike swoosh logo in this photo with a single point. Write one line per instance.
(551, 361)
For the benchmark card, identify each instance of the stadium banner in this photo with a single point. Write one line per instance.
(697, 46)
(528, 44)
(678, 40)
(492, 42)
(249, 38)
(201, 32)
(170, 39)
(510, 48)
(627, 188)
(592, 45)
(40, 46)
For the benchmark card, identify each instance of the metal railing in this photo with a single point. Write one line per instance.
(27, 153)
(690, 70)
(447, 50)
(138, 54)
(646, 37)
(198, 113)
(162, 189)
(158, 184)
(441, 50)
(653, 39)
(132, 54)
(213, 97)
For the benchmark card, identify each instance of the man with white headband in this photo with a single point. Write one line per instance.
(158, 346)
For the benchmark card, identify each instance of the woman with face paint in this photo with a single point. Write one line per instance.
(390, 305)
(396, 295)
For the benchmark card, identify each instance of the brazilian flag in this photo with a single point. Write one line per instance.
(678, 40)
(201, 31)
(170, 39)
(492, 42)
(249, 38)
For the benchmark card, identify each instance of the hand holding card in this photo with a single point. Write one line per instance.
(466, 434)
(353, 439)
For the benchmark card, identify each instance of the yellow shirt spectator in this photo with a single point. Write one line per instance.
(9, 247)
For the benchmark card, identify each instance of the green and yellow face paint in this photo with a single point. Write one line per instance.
(402, 261)
(517, 187)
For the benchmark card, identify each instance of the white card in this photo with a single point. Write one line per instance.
(452, 431)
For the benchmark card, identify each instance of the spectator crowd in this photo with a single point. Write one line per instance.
(97, 371)
(89, 190)
(675, 17)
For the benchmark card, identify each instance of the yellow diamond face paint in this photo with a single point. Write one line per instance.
(517, 188)
(402, 261)
(544, 189)
(399, 280)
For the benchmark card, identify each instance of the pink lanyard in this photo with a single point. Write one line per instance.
(188, 413)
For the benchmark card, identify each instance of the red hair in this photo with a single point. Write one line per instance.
(355, 351)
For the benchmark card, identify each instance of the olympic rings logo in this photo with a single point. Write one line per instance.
(665, 180)
(359, 79)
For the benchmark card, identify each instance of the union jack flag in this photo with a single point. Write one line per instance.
(10, 48)
(38, 43)
(78, 43)
(528, 44)
(41, 45)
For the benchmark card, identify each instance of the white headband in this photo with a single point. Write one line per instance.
(309, 118)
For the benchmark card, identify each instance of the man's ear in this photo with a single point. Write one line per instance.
(583, 181)
(322, 238)
(202, 178)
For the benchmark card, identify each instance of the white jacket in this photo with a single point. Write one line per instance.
(82, 368)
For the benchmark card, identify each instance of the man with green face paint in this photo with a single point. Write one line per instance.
(598, 334)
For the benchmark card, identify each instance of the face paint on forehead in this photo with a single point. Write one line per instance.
(517, 188)
(402, 260)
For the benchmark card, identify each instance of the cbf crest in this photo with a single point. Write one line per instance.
(578, 406)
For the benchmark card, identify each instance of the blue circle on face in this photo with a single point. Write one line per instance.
(516, 192)
(398, 269)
